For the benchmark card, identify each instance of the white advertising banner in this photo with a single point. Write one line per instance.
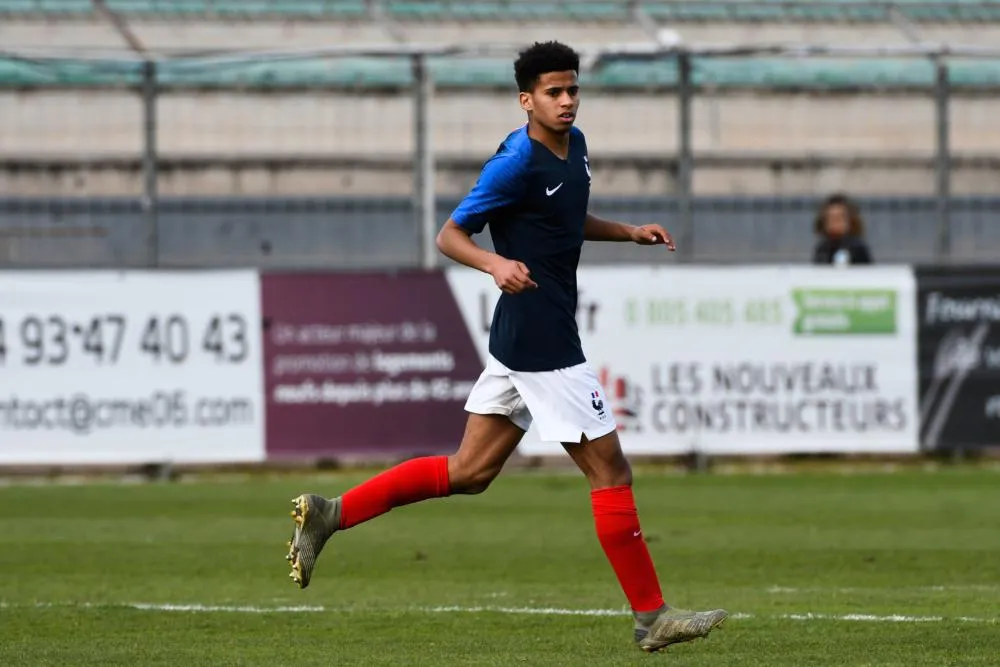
(130, 367)
(742, 360)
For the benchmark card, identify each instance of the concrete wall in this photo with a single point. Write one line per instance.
(382, 232)
(337, 143)
(165, 34)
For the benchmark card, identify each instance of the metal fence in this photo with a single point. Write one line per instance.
(238, 160)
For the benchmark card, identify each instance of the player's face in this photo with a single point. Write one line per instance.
(837, 221)
(553, 101)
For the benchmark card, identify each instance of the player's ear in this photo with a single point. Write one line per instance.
(526, 102)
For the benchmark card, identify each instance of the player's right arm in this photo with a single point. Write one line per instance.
(500, 185)
(510, 276)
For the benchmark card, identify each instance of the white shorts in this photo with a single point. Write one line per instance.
(564, 403)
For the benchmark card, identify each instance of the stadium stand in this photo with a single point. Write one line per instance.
(165, 26)
(513, 10)
(773, 130)
(387, 72)
(312, 23)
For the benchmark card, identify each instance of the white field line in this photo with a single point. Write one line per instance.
(456, 609)
(196, 608)
(777, 590)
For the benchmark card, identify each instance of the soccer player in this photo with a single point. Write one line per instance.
(533, 192)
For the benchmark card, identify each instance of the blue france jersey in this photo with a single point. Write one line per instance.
(535, 204)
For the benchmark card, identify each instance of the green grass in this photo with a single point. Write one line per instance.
(915, 544)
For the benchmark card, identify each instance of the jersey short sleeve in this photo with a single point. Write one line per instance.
(501, 183)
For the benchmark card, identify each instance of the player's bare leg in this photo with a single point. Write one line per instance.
(488, 442)
(657, 625)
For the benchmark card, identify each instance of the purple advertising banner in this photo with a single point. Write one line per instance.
(361, 365)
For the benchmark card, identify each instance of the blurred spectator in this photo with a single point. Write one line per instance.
(841, 231)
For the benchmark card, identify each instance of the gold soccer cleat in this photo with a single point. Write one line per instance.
(675, 626)
(316, 519)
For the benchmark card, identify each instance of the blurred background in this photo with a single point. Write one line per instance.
(340, 133)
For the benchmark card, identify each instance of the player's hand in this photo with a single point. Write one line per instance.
(653, 235)
(512, 277)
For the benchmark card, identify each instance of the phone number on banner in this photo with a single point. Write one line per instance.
(46, 339)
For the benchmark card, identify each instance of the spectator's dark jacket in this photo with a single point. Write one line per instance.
(855, 248)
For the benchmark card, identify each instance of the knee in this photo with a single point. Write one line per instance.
(468, 477)
(617, 474)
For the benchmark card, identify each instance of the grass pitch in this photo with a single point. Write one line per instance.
(816, 568)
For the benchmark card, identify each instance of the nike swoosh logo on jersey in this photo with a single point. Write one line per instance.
(549, 193)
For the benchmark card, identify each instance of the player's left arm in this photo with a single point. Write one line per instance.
(599, 229)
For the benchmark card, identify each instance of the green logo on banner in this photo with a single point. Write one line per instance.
(844, 311)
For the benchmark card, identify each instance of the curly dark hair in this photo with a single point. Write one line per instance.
(541, 58)
(856, 224)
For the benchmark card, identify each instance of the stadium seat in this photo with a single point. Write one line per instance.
(501, 11)
(56, 7)
(732, 73)
(675, 11)
(843, 11)
(242, 8)
(334, 9)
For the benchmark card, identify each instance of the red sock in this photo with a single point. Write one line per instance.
(618, 531)
(409, 482)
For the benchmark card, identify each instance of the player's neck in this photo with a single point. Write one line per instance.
(557, 143)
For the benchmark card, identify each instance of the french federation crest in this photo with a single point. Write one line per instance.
(597, 403)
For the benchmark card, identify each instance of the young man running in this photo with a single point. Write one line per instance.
(533, 192)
